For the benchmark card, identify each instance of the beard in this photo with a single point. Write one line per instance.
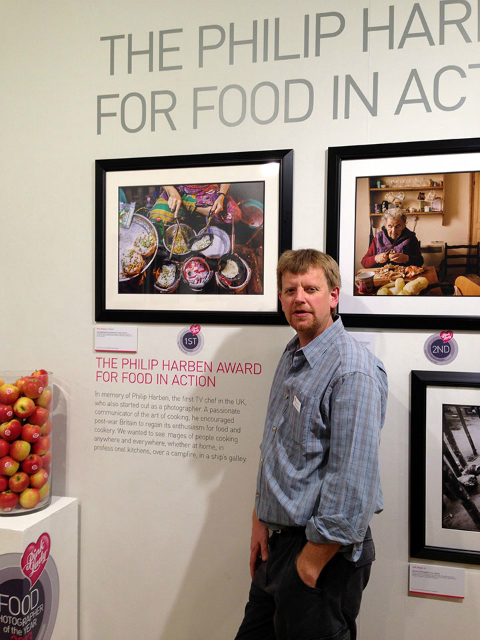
(304, 322)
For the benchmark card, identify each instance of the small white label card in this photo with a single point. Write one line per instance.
(446, 582)
(124, 339)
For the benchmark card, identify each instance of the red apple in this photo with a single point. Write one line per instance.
(8, 500)
(2, 381)
(46, 459)
(37, 480)
(39, 416)
(31, 433)
(19, 383)
(42, 374)
(8, 393)
(41, 446)
(32, 387)
(6, 412)
(8, 466)
(24, 407)
(32, 464)
(29, 498)
(45, 399)
(44, 491)
(20, 449)
(10, 430)
(4, 447)
(19, 482)
(3, 483)
(46, 428)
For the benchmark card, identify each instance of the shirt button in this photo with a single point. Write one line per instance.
(274, 428)
(286, 396)
(258, 495)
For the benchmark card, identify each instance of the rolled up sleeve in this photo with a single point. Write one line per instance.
(350, 490)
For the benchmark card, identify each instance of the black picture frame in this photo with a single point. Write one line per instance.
(344, 165)
(431, 392)
(272, 169)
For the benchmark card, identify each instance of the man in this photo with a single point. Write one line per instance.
(318, 483)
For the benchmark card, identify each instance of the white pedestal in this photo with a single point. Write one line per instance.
(39, 573)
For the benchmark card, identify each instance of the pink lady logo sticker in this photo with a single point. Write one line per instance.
(190, 339)
(441, 348)
(35, 558)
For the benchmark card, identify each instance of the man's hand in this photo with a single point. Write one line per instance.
(312, 559)
(258, 544)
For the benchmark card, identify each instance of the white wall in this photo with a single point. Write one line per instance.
(164, 544)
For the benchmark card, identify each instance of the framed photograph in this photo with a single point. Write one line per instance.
(192, 238)
(445, 466)
(391, 211)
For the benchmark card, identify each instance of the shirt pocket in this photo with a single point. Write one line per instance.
(302, 416)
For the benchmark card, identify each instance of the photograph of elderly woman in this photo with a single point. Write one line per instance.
(418, 235)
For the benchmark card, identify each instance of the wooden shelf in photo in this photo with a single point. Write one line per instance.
(415, 213)
(432, 195)
(396, 189)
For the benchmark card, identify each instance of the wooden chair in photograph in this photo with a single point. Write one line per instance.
(461, 259)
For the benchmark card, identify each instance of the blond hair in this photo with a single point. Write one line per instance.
(301, 260)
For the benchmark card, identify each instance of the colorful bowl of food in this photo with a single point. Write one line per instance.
(132, 264)
(219, 246)
(201, 242)
(137, 247)
(233, 273)
(167, 277)
(196, 273)
(182, 239)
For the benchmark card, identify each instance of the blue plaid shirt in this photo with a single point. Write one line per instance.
(319, 465)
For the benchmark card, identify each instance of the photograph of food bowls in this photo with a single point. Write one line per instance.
(191, 239)
(187, 238)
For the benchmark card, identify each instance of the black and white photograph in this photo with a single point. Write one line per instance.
(444, 466)
(461, 467)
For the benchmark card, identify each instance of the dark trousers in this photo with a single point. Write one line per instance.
(282, 607)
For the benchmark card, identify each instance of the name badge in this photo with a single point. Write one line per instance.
(297, 404)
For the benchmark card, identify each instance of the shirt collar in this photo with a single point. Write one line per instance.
(317, 347)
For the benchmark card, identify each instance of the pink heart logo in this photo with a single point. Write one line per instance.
(35, 558)
(446, 335)
(195, 328)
